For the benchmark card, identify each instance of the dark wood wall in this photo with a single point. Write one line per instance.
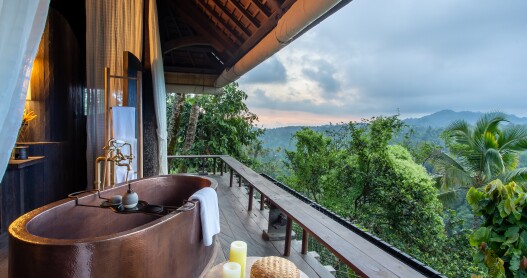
(57, 96)
(59, 131)
(150, 148)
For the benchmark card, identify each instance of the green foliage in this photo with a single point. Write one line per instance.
(501, 242)
(355, 172)
(312, 159)
(225, 125)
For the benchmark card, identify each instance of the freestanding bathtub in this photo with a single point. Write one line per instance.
(63, 239)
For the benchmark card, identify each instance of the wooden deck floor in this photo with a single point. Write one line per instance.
(239, 224)
(236, 224)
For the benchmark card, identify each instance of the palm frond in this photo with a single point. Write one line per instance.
(516, 175)
(493, 163)
(454, 172)
(460, 131)
(489, 122)
(513, 138)
(490, 141)
(449, 198)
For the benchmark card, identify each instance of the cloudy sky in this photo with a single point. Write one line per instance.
(377, 57)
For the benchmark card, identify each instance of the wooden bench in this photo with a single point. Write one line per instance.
(365, 258)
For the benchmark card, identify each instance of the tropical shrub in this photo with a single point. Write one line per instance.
(501, 241)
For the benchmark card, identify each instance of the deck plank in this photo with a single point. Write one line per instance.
(256, 221)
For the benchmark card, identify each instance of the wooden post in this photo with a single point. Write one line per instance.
(305, 241)
(288, 231)
(221, 167)
(140, 156)
(214, 166)
(232, 175)
(239, 180)
(107, 127)
(262, 201)
(251, 197)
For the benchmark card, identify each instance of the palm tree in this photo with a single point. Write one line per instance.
(481, 153)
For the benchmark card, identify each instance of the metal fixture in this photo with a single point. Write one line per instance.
(114, 154)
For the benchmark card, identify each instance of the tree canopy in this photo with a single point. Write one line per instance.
(224, 124)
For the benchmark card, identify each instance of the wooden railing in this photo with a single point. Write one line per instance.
(367, 255)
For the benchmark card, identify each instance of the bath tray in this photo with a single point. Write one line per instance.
(142, 207)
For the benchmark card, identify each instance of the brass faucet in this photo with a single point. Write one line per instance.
(113, 154)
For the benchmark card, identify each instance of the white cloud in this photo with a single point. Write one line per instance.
(374, 57)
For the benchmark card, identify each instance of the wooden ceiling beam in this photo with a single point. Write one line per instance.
(196, 19)
(262, 8)
(242, 10)
(191, 41)
(194, 79)
(287, 4)
(183, 69)
(275, 6)
(239, 39)
(231, 17)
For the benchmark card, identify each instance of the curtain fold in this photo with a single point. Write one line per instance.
(21, 25)
(111, 28)
(158, 81)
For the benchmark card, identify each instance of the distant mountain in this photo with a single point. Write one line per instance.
(443, 118)
(280, 137)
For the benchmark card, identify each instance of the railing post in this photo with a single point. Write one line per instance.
(288, 231)
(251, 196)
(221, 167)
(305, 241)
(239, 180)
(276, 225)
(214, 166)
(262, 201)
(232, 174)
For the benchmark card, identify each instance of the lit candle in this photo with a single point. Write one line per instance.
(231, 270)
(238, 254)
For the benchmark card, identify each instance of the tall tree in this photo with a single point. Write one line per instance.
(312, 159)
(227, 125)
(174, 122)
(191, 127)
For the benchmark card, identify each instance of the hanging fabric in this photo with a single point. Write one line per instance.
(158, 80)
(21, 25)
(111, 28)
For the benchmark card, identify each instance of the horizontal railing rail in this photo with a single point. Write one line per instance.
(366, 254)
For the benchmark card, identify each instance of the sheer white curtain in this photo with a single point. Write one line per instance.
(158, 80)
(112, 26)
(21, 25)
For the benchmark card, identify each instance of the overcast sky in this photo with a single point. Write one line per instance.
(377, 57)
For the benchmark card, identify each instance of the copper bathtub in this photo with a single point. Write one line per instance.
(63, 239)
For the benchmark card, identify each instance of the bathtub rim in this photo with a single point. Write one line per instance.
(18, 228)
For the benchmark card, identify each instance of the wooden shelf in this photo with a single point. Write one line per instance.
(21, 163)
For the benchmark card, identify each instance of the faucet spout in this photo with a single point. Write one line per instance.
(114, 154)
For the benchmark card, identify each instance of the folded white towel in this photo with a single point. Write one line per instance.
(123, 122)
(210, 214)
